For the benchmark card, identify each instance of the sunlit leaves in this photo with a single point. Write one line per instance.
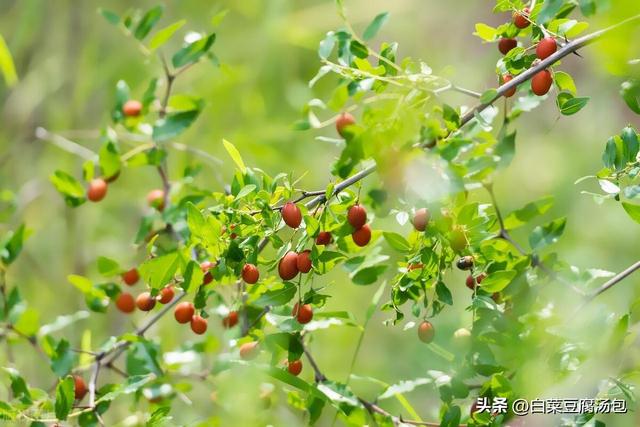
(7, 66)
(163, 35)
(235, 155)
(496, 281)
(527, 213)
(69, 187)
(159, 271)
(109, 159)
(485, 32)
(564, 81)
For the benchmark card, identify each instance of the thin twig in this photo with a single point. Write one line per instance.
(93, 383)
(317, 373)
(66, 144)
(615, 280)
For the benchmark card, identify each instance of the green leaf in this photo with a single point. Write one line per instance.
(163, 35)
(368, 275)
(108, 267)
(571, 105)
(159, 271)
(631, 145)
(630, 92)
(219, 17)
(95, 297)
(19, 387)
(485, 32)
(549, 10)
(13, 245)
(358, 49)
(373, 28)
(195, 219)
(547, 234)
(6, 64)
(528, 212)
(193, 276)
(564, 81)
(451, 417)
(326, 45)
(150, 93)
(235, 155)
(587, 7)
(173, 124)
(632, 210)
(109, 159)
(130, 385)
(147, 22)
(328, 192)
(63, 359)
(142, 359)
(278, 296)
(69, 187)
(193, 51)
(8, 412)
(110, 16)
(443, 293)
(497, 280)
(396, 241)
(29, 322)
(245, 191)
(65, 396)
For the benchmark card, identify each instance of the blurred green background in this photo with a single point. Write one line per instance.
(69, 59)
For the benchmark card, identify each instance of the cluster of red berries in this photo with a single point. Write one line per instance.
(357, 218)
(542, 81)
(126, 303)
(185, 312)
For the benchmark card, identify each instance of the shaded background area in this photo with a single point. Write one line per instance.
(69, 59)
